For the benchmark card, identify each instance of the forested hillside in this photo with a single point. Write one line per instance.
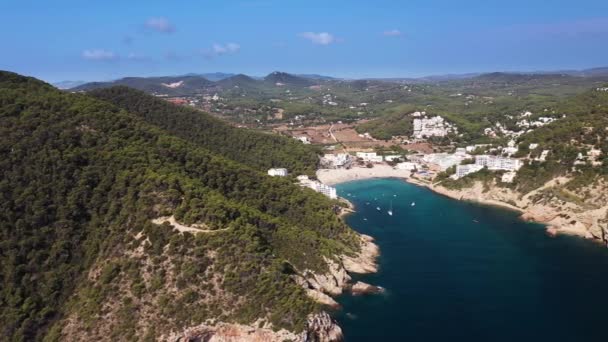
(256, 149)
(82, 181)
(585, 127)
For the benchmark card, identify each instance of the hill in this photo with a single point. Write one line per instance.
(68, 84)
(240, 80)
(85, 188)
(169, 85)
(277, 77)
(255, 149)
(216, 76)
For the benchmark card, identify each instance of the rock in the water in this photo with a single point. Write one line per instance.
(360, 288)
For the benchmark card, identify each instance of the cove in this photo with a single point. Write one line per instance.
(458, 271)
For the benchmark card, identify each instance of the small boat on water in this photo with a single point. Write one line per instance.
(413, 204)
(475, 221)
(390, 211)
(378, 208)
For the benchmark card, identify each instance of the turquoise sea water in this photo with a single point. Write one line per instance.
(456, 271)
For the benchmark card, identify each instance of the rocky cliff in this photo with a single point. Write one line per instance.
(332, 283)
(582, 212)
(320, 328)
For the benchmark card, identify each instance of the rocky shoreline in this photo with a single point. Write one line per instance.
(319, 327)
(562, 218)
(322, 288)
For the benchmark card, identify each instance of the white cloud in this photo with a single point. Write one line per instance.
(392, 33)
(321, 38)
(99, 55)
(160, 24)
(221, 49)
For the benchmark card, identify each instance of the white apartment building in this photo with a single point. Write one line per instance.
(280, 172)
(326, 190)
(392, 157)
(431, 127)
(463, 170)
(443, 160)
(337, 160)
(317, 186)
(409, 166)
(472, 148)
(498, 163)
(371, 157)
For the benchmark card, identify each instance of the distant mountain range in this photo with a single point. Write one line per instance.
(68, 84)
(192, 83)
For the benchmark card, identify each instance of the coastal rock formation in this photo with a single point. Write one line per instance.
(547, 205)
(360, 288)
(365, 261)
(322, 298)
(319, 328)
(332, 283)
(322, 328)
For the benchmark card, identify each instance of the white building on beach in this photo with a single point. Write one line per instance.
(443, 160)
(407, 166)
(392, 157)
(371, 157)
(317, 186)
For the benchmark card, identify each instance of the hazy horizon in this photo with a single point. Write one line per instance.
(72, 40)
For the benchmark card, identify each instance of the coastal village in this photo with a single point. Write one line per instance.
(342, 164)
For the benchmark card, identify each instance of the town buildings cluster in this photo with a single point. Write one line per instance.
(435, 126)
(337, 161)
(524, 124)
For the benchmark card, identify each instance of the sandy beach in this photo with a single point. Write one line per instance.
(336, 176)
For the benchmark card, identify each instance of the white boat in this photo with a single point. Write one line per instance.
(378, 208)
(413, 204)
(390, 211)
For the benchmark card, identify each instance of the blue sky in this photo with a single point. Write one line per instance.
(100, 40)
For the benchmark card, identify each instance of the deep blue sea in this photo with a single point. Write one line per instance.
(457, 271)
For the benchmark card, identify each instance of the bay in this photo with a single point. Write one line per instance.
(466, 272)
